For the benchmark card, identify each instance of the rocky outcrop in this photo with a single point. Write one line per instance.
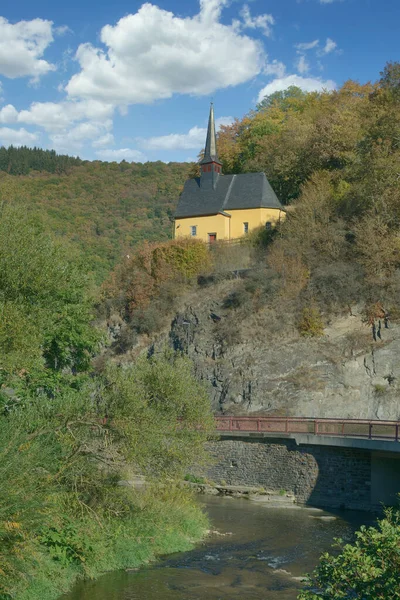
(248, 369)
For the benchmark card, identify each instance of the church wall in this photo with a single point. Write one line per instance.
(218, 224)
(255, 217)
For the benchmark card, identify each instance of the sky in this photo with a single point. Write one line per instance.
(131, 80)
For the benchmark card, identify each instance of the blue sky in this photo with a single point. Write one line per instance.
(114, 80)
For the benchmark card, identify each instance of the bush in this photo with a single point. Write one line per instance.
(194, 479)
(369, 569)
(310, 323)
(145, 287)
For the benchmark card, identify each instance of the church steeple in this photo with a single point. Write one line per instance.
(210, 152)
(210, 164)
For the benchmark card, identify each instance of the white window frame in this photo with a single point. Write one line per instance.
(246, 227)
(193, 230)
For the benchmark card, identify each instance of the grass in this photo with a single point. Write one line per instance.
(165, 522)
(194, 478)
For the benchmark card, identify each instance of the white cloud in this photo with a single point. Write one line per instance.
(330, 46)
(22, 46)
(8, 114)
(275, 68)
(302, 65)
(57, 116)
(105, 140)
(128, 154)
(73, 139)
(17, 137)
(70, 124)
(153, 54)
(262, 22)
(307, 84)
(62, 30)
(184, 141)
(304, 46)
(194, 139)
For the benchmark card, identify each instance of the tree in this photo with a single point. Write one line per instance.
(390, 79)
(45, 307)
(284, 98)
(368, 569)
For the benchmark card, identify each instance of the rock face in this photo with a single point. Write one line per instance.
(343, 374)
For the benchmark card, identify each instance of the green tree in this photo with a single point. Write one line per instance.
(163, 412)
(369, 569)
(45, 307)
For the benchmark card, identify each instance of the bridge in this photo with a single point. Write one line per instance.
(351, 463)
(353, 428)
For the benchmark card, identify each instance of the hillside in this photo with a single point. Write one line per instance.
(313, 327)
(105, 208)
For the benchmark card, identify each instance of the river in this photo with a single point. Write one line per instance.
(259, 559)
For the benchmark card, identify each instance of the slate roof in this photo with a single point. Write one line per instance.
(247, 190)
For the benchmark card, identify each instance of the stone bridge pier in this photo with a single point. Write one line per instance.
(321, 471)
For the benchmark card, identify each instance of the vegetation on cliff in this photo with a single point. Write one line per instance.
(69, 436)
(333, 156)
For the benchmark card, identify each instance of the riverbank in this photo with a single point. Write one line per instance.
(163, 523)
(260, 552)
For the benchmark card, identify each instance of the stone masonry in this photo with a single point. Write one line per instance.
(321, 476)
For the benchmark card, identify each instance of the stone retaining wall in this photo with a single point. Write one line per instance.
(322, 476)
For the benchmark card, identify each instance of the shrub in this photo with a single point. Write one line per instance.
(194, 479)
(310, 323)
(368, 569)
(155, 274)
(66, 544)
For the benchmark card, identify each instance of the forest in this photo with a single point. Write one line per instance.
(105, 209)
(82, 244)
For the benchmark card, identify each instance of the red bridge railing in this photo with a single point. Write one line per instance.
(379, 430)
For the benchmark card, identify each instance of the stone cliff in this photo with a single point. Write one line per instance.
(251, 366)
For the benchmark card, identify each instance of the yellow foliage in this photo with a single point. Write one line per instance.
(310, 323)
(11, 525)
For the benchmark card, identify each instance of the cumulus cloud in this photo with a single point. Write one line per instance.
(153, 54)
(302, 65)
(263, 22)
(8, 114)
(128, 154)
(17, 137)
(275, 68)
(307, 84)
(105, 140)
(194, 139)
(69, 124)
(74, 138)
(57, 116)
(22, 46)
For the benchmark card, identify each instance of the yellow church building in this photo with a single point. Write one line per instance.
(224, 207)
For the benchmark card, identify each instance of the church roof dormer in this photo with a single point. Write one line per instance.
(210, 152)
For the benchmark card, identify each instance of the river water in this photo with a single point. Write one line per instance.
(265, 550)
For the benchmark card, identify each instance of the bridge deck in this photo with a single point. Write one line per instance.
(342, 428)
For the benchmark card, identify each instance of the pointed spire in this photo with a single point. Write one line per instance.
(210, 153)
